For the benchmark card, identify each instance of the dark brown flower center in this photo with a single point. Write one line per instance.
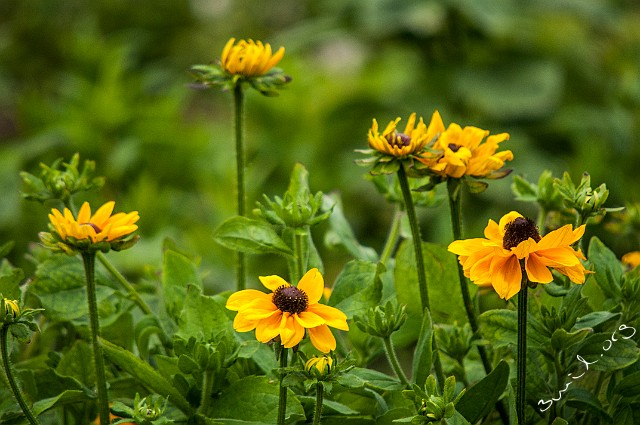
(519, 230)
(398, 140)
(453, 147)
(96, 228)
(290, 299)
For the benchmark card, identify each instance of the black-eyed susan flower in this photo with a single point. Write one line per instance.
(631, 259)
(495, 259)
(249, 58)
(98, 231)
(392, 144)
(288, 311)
(464, 151)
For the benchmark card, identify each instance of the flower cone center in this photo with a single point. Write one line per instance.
(453, 147)
(290, 299)
(398, 140)
(520, 230)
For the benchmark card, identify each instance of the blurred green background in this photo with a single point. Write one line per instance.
(109, 79)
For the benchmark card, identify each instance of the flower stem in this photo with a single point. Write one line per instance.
(393, 361)
(282, 403)
(317, 414)
(89, 259)
(238, 100)
(299, 245)
(207, 387)
(522, 348)
(417, 249)
(133, 294)
(10, 378)
(455, 206)
(392, 238)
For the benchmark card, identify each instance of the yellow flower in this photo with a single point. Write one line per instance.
(11, 307)
(321, 364)
(462, 152)
(631, 259)
(496, 260)
(101, 226)
(410, 142)
(249, 58)
(288, 311)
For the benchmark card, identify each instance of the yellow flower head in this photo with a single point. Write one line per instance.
(101, 226)
(462, 152)
(410, 142)
(631, 259)
(288, 311)
(322, 365)
(495, 259)
(249, 58)
(11, 307)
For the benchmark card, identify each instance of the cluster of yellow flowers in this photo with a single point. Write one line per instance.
(452, 152)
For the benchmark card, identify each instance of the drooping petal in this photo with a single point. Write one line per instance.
(507, 276)
(291, 333)
(322, 338)
(536, 270)
(268, 328)
(312, 284)
(331, 315)
(273, 282)
(242, 324)
(309, 319)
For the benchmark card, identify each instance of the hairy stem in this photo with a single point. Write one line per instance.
(393, 237)
(282, 402)
(238, 100)
(317, 414)
(207, 387)
(417, 249)
(6, 363)
(522, 349)
(89, 259)
(393, 361)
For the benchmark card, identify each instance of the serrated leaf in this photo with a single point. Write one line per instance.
(357, 287)
(608, 270)
(255, 399)
(145, 374)
(203, 317)
(178, 271)
(250, 236)
(524, 190)
(481, 398)
(77, 363)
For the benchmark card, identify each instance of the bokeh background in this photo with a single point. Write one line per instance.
(109, 79)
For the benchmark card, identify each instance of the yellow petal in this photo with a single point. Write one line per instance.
(268, 328)
(84, 216)
(259, 309)
(239, 299)
(536, 270)
(312, 284)
(103, 213)
(331, 315)
(506, 219)
(273, 282)
(291, 332)
(506, 276)
(309, 319)
(242, 324)
(322, 338)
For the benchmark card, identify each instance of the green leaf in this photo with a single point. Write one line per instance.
(10, 283)
(340, 233)
(374, 379)
(250, 236)
(584, 400)
(203, 317)
(608, 270)
(629, 386)
(500, 326)
(562, 340)
(618, 355)
(524, 190)
(357, 287)
(422, 356)
(482, 397)
(77, 363)
(255, 399)
(6, 248)
(560, 421)
(178, 271)
(594, 319)
(66, 397)
(145, 374)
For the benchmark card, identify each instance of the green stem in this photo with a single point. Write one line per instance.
(393, 237)
(238, 98)
(133, 294)
(282, 402)
(207, 387)
(317, 414)
(89, 259)
(522, 348)
(417, 249)
(6, 363)
(298, 248)
(393, 361)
